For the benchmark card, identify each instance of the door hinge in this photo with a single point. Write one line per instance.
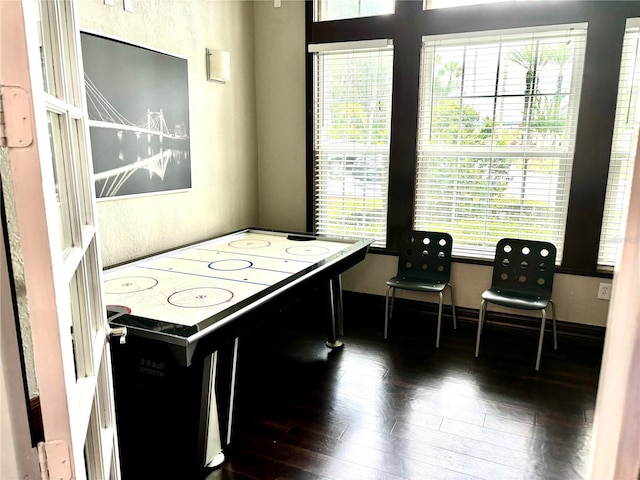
(16, 127)
(55, 461)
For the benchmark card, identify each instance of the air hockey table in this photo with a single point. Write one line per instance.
(185, 311)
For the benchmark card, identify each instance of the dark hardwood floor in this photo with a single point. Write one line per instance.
(402, 409)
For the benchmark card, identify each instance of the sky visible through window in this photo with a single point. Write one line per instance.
(340, 9)
(433, 4)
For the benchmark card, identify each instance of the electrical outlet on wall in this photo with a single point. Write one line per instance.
(604, 291)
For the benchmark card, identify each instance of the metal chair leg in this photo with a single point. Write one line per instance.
(544, 320)
(439, 320)
(393, 300)
(453, 308)
(483, 310)
(553, 318)
(386, 312)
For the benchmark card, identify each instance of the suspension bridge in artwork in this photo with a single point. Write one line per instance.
(152, 138)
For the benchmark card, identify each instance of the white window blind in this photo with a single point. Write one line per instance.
(623, 148)
(496, 135)
(352, 120)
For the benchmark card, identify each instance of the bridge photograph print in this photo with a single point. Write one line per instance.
(138, 105)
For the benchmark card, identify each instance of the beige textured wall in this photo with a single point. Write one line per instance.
(224, 195)
(280, 87)
(280, 57)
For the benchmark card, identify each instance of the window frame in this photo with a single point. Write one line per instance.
(406, 27)
(562, 154)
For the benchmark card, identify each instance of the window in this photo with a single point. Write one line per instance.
(352, 117)
(433, 4)
(623, 149)
(496, 134)
(340, 9)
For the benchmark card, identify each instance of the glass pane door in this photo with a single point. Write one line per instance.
(56, 246)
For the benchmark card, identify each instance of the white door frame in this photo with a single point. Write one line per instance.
(615, 447)
(57, 280)
(30, 218)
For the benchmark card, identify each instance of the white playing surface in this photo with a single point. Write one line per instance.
(191, 284)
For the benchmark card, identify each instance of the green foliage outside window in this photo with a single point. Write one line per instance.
(476, 186)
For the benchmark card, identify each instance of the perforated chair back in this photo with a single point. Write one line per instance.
(425, 256)
(524, 267)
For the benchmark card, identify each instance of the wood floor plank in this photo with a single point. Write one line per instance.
(402, 409)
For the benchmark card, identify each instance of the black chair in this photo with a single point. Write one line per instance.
(424, 265)
(522, 278)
